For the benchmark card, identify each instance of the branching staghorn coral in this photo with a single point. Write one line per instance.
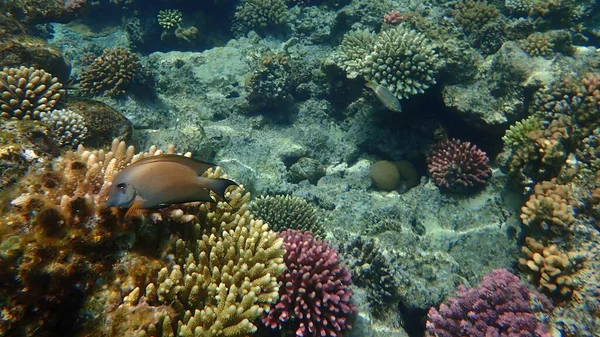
(401, 59)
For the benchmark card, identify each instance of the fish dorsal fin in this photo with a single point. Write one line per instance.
(197, 165)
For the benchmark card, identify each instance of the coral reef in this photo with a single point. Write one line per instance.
(500, 306)
(372, 271)
(458, 166)
(27, 92)
(315, 294)
(472, 15)
(270, 84)
(259, 15)
(401, 59)
(66, 127)
(548, 208)
(283, 212)
(548, 267)
(170, 18)
(538, 44)
(111, 73)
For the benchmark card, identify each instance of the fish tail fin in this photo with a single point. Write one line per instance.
(220, 185)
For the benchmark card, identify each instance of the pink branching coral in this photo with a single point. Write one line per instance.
(314, 293)
(500, 306)
(393, 17)
(458, 166)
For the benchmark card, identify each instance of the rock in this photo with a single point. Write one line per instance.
(307, 169)
(103, 122)
(19, 49)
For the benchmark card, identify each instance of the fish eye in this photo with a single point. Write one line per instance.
(121, 186)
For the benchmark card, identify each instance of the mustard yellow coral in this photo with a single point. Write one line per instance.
(549, 267)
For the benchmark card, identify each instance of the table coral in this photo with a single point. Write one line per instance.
(500, 306)
(314, 291)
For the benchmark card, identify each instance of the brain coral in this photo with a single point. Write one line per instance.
(27, 92)
(401, 59)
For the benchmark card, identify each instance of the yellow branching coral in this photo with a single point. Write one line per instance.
(225, 274)
(548, 208)
(538, 44)
(549, 267)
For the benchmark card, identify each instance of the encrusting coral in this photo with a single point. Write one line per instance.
(401, 59)
(62, 238)
(549, 267)
(27, 92)
(111, 73)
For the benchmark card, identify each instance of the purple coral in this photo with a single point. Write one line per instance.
(458, 166)
(501, 306)
(314, 293)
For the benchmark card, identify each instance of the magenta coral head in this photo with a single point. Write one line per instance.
(458, 166)
(314, 290)
(500, 306)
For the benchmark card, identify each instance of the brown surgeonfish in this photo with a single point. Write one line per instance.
(159, 181)
(385, 96)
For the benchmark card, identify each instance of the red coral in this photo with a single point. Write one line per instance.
(393, 17)
(314, 293)
(458, 166)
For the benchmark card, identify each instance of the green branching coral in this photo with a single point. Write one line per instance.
(288, 212)
(517, 135)
(27, 92)
(259, 15)
(401, 59)
(170, 18)
(110, 73)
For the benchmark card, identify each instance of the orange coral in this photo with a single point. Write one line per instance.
(549, 267)
(548, 208)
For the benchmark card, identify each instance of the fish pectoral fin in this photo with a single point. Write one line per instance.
(134, 209)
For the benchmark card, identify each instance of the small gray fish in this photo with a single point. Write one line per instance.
(385, 96)
(159, 181)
